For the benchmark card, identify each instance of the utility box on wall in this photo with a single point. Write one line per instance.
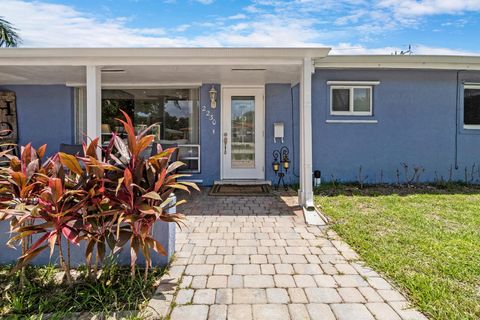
(278, 131)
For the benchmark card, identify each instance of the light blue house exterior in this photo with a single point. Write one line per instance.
(417, 121)
(415, 118)
(368, 119)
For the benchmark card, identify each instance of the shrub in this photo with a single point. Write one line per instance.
(113, 200)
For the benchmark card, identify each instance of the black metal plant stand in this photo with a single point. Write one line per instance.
(280, 166)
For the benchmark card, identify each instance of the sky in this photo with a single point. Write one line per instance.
(449, 27)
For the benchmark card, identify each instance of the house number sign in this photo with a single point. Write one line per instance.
(8, 117)
(209, 115)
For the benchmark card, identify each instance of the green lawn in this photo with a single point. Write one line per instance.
(112, 291)
(425, 239)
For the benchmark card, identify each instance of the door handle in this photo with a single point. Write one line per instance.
(225, 141)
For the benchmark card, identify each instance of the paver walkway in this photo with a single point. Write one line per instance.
(255, 258)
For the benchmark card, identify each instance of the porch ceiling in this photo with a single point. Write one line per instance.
(147, 76)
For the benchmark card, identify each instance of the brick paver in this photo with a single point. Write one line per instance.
(255, 258)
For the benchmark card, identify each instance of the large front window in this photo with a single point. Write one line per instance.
(174, 114)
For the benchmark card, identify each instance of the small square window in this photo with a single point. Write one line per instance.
(351, 100)
(471, 107)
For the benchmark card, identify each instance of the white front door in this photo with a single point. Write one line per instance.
(243, 133)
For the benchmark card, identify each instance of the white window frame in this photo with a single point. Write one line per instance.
(80, 123)
(197, 158)
(469, 126)
(351, 112)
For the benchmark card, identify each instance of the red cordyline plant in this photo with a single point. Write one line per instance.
(104, 201)
(36, 200)
(137, 188)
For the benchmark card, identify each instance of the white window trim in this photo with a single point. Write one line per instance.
(471, 85)
(353, 83)
(352, 121)
(351, 112)
(470, 126)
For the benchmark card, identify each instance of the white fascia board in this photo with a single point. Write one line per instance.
(157, 56)
(400, 62)
(149, 61)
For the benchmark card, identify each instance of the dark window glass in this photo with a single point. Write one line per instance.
(472, 107)
(173, 112)
(340, 99)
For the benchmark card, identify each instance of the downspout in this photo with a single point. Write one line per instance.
(457, 103)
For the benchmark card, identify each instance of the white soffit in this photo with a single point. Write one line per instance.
(154, 76)
(399, 62)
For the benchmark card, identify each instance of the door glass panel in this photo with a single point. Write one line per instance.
(243, 132)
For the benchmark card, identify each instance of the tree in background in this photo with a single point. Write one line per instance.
(8, 34)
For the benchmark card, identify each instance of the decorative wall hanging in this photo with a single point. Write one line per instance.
(8, 117)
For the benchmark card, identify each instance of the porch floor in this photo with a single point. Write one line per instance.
(255, 258)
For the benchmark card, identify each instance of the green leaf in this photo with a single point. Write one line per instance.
(70, 162)
(123, 237)
(152, 195)
(190, 184)
(25, 259)
(156, 246)
(134, 246)
(101, 250)
(174, 166)
(89, 250)
(122, 148)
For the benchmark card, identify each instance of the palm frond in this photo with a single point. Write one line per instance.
(8, 34)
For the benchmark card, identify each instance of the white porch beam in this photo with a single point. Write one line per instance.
(305, 194)
(94, 101)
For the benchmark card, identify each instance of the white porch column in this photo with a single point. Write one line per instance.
(305, 194)
(94, 101)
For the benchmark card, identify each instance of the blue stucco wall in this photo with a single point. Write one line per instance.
(209, 137)
(281, 105)
(278, 108)
(45, 114)
(416, 114)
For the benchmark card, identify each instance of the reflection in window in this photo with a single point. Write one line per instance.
(173, 112)
(351, 100)
(243, 132)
